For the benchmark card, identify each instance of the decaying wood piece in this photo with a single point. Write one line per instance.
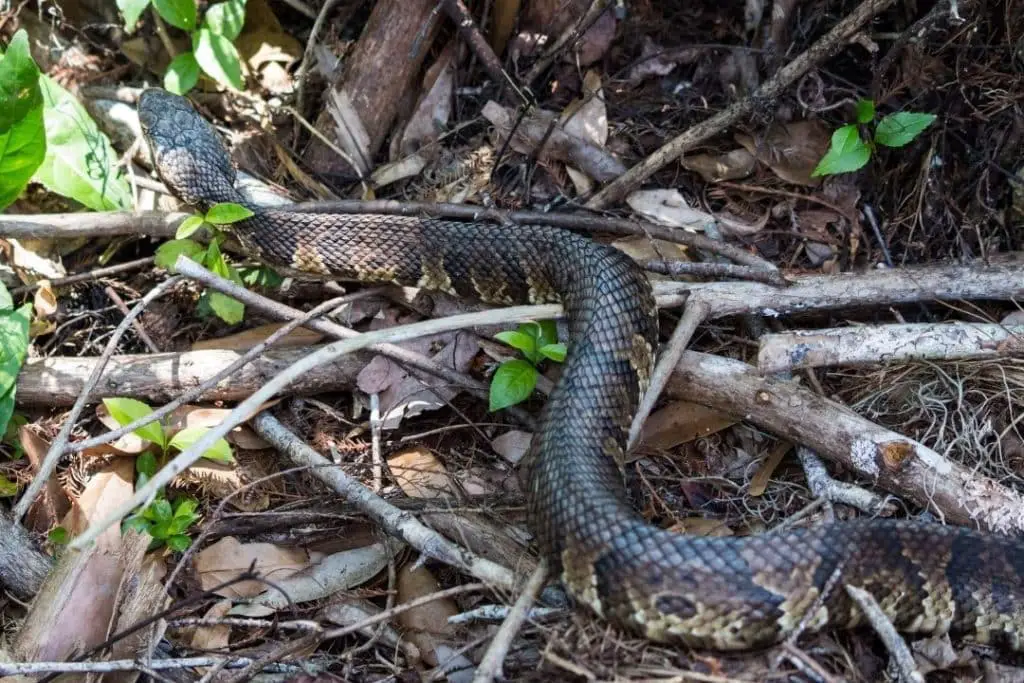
(845, 346)
(22, 565)
(158, 378)
(887, 459)
(361, 106)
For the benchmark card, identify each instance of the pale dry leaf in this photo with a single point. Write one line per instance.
(44, 303)
(213, 638)
(641, 248)
(129, 444)
(434, 109)
(790, 150)
(353, 611)
(680, 422)
(668, 207)
(512, 445)
(408, 166)
(587, 117)
(420, 474)
(247, 339)
(713, 168)
(332, 574)
(228, 558)
(35, 259)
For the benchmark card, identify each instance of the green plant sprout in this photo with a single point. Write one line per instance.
(515, 379)
(850, 150)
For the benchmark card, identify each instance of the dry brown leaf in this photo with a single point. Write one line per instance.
(641, 248)
(44, 303)
(213, 638)
(713, 168)
(699, 526)
(228, 558)
(86, 604)
(266, 48)
(759, 482)
(658, 61)
(791, 150)
(680, 422)
(668, 207)
(425, 626)
(200, 416)
(420, 474)
(52, 504)
(245, 340)
(433, 110)
(594, 160)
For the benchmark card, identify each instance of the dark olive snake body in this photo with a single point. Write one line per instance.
(721, 593)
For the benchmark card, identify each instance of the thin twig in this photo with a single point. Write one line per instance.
(139, 329)
(491, 664)
(897, 647)
(94, 274)
(56, 449)
(197, 391)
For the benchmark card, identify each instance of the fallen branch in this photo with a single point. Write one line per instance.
(890, 460)
(826, 46)
(396, 522)
(845, 346)
(902, 659)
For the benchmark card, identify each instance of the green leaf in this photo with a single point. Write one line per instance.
(847, 153)
(220, 451)
(555, 352)
(519, 340)
(58, 535)
(132, 10)
(13, 347)
(160, 509)
(226, 213)
(899, 129)
(179, 543)
(19, 83)
(218, 57)
(548, 332)
(513, 383)
(8, 488)
(186, 508)
(146, 464)
(226, 18)
(224, 307)
(182, 74)
(865, 111)
(6, 412)
(80, 162)
(22, 150)
(260, 276)
(128, 410)
(137, 523)
(178, 13)
(6, 302)
(187, 227)
(168, 252)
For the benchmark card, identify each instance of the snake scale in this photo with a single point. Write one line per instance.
(728, 593)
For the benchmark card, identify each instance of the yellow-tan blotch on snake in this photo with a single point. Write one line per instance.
(723, 593)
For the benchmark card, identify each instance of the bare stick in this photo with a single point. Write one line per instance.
(892, 461)
(398, 523)
(897, 647)
(56, 450)
(694, 314)
(34, 668)
(459, 14)
(326, 354)
(844, 346)
(410, 359)
(92, 224)
(825, 487)
(94, 274)
(197, 391)
(490, 665)
(826, 46)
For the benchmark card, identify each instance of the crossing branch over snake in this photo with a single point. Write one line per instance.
(722, 593)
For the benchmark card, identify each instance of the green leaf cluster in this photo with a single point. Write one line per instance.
(167, 524)
(213, 51)
(46, 136)
(224, 307)
(14, 325)
(850, 151)
(515, 379)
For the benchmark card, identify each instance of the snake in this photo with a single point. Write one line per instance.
(717, 593)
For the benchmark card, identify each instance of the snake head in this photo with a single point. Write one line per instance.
(188, 153)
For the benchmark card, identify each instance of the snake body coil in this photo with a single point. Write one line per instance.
(721, 593)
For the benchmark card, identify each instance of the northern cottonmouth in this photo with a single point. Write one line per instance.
(722, 593)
